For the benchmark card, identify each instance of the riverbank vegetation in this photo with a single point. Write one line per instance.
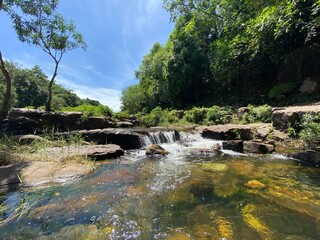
(230, 53)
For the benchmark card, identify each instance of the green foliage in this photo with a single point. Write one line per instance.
(217, 115)
(196, 115)
(90, 111)
(257, 114)
(30, 90)
(221, 52)
(38, 23)
(281, 89)
(310, 132)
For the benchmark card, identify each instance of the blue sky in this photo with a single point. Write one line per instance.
(118, 33)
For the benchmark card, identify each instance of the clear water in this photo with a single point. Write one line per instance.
(191, 194)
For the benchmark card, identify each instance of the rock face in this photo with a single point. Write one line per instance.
(309, 157)
(156, 149)
(232, 132)
(284, 118)
(27, 121)
(125, 139)
(96, 152)
(257, 147)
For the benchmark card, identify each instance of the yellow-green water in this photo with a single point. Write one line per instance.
(190, 196)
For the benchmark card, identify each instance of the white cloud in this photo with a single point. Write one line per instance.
(106, 96)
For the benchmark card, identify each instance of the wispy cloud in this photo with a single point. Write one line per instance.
(106, 96)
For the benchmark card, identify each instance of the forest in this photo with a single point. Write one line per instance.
(230, 52)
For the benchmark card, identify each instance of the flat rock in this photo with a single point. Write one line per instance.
(40, 173)
(287, 117)
(232, 131)
(97, 152)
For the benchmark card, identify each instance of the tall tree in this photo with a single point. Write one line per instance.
(37, 23)
(8, 79)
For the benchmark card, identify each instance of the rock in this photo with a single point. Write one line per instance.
(124, 125)
(241, 111)
(20, 125)
(124, 138)
(309, 157)
(29, 139)
(40, 173)
(94, 123)
(96, 152)
(310, 87)
(255, 184)
(284, 118)
(257, 147)
(156, 149)
(279, 136)
(232, 131)
(263, 133)
(234, 145)
(214, 167)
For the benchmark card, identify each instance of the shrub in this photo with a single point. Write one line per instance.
(217, 115)
(310, 132)
(90, 111)
(196, 115)
(257, 114)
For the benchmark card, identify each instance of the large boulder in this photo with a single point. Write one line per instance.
(309, 157)
(257, 147)
(156, 149)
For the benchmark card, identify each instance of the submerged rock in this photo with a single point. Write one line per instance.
(255, 184)
(156, 149)
(201, 188)
(214, 167)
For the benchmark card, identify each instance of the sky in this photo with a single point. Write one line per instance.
(118, 33)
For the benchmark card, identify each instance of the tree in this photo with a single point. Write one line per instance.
(37, 23)
(8, 79)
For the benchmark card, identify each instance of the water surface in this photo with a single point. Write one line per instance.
(193, 193)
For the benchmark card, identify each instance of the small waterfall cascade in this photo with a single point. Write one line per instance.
(159, 137)
(183, 139)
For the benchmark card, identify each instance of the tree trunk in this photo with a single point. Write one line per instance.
(7, 96)
(48, 103)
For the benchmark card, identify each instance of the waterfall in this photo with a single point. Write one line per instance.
(159, 137)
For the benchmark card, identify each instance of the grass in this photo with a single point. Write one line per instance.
(12, 152)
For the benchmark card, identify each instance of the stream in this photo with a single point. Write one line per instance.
(192, 193)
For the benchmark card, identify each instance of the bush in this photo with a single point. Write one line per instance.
(217, 115)
(310, 132)
(90, 111)
(257, 114)
(196, 115)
